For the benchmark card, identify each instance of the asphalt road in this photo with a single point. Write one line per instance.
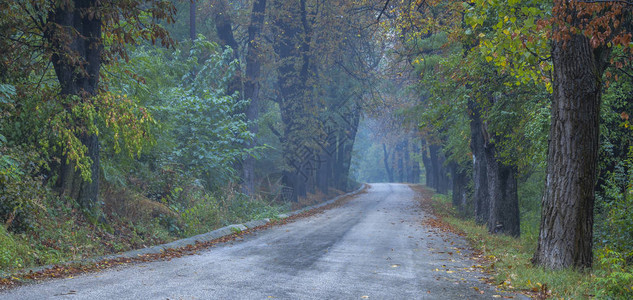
(373, 247)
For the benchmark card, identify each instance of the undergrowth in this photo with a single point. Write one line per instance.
(511, 268)
(60, 231)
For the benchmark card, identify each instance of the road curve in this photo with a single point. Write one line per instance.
(372, 247)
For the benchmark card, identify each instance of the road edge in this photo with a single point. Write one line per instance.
(181, 243)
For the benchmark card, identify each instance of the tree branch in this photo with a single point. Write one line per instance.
(383, 10)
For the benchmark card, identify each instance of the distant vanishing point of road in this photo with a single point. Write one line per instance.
(372, 247)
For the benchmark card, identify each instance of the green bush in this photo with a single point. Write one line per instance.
(203, 216)
(21, 190)
(614, 280)
(11, 252)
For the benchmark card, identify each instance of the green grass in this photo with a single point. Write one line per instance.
(61, 231)
(510, 257)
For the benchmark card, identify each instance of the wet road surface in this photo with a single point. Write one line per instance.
(372, 247)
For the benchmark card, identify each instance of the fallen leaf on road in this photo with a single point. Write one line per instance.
(364, 297)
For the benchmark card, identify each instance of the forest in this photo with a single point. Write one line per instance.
(131, 123)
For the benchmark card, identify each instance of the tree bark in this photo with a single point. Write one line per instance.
(460, 191)
(224, 30)
(74, 33)
(385, 160)
(428, 166)
(251, 89)
(566, 232)
(504, 201)
(481, 196)
(296, 104)
(347, 139)
(415, 164)
(399, 152)
(440, 176)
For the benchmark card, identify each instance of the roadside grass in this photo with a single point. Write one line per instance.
(60, 231)
(508, 259)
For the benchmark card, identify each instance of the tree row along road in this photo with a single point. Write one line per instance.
(372, 247)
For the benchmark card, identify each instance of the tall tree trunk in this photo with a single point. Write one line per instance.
(224, 28)
(415, 164)
(346, 145)
(323, 172)
(407, 162)
(428, 166)
(192, 20)
(74, 33)
(460, 191)
(401, 167)
(504, 201)
(385, 160)
(566, 232)
(440, 176)
(251, 89)
(295, 102)
(481, 196)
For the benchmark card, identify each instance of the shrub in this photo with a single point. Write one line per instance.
(21, 189)
(11, 252)
(613, 278)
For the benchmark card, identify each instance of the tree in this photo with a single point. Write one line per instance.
(566, 232)
(252, 86)
(75, 28)
(73, 31)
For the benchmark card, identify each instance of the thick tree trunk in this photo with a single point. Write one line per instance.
(295, 102)
(75, 28)
(346, 144)
(566, 232)
(504, 201)
(251, 89)
(481, 198)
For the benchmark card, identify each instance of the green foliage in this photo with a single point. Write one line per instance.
(614, 280)
(530, 192)
(7, 91)
(201, 130)
(614, 198)
(202, 216)
(509, 259)
(514, 36)
(11, 252)
(21, 188)
(244, 210)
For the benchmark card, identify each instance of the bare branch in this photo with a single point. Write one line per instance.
(383, 10)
